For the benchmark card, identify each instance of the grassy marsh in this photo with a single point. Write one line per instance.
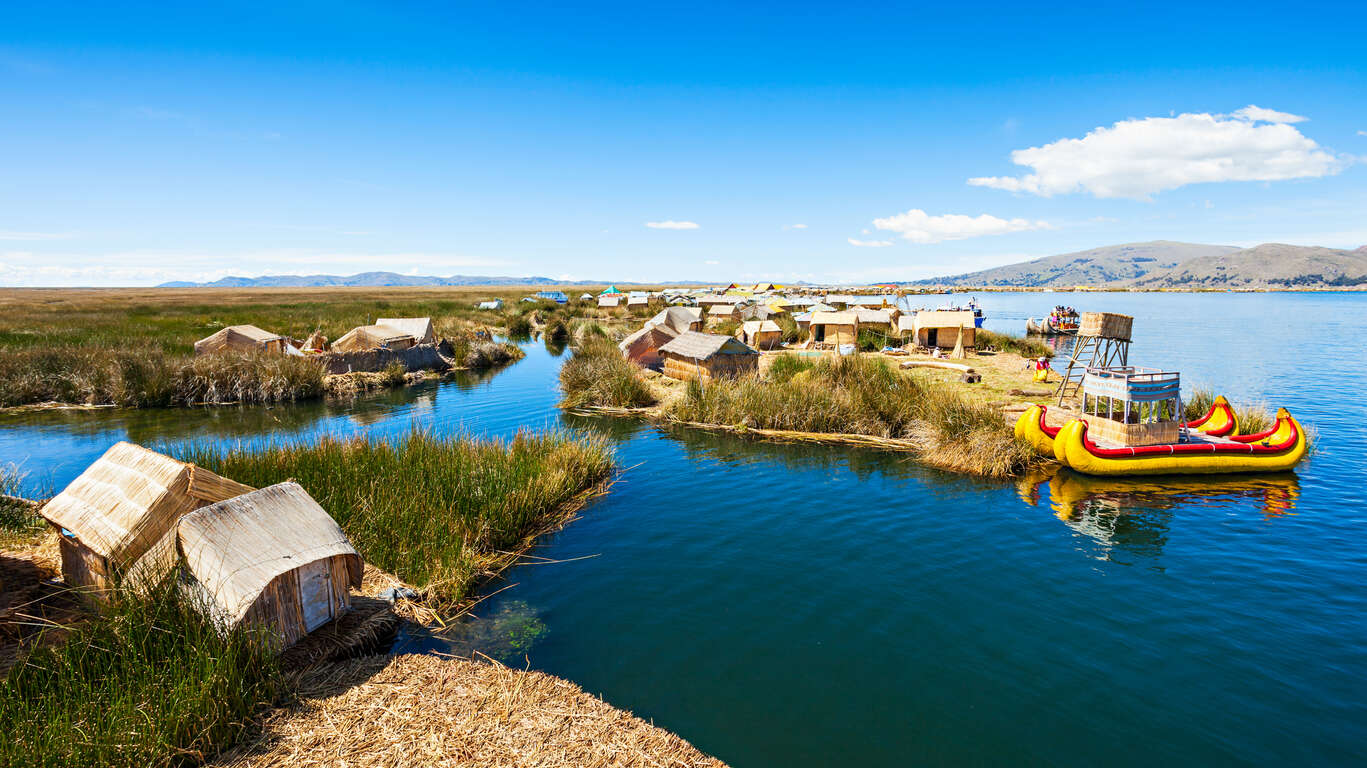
(438, 512)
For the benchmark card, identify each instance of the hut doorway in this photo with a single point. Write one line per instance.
(819, 333)
(932, 337)
(315, 587)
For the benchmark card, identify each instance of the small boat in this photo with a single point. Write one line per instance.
(1278, 449)
(1063, 321)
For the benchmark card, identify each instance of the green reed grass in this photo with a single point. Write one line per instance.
(598, 375)
(435, 511)
(1005, 342)
(864, 395)
(149, 681)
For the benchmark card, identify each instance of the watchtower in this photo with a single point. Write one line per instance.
(1103, 341)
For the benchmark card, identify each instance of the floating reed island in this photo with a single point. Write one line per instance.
(238, 592)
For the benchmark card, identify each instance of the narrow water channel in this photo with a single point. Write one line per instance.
(812, 606)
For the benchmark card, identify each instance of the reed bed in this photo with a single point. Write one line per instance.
(1005, 342)
(441, 513)
(598, 375)
(857, 395)
(148, 682)
(424, 710)
(19, 520)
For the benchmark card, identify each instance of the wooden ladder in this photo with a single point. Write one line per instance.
(1090, 352)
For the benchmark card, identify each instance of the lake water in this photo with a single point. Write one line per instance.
(813, 606)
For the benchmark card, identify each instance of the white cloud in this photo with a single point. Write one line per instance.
(1139, 157)
(1258, 114)
(796, 226)
(670, 224)
(711, 262)
(920, 227)
(869, 243)
(1362, 133)
(6, 234)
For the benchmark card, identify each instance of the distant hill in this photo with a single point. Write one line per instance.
(368, 280)
(1166, 264)
(1107, 265)
(1271, 265)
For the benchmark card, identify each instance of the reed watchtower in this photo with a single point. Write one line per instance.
(1103, 341)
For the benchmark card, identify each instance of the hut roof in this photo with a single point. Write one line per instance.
(941, 318)
(493, 304)
(759, 312)
(834, 318)
(722, 309)
(370, 337)
(241, 333)
(714, 298)
(610, 290)
(124, 502)
(760, 326)
(635, 301)
(821, 307)
(235, 548)
(906, 323)
(677, 318)
(419, 328)
(610, 301)
(703, 346)
(873, 316)
(651, 335)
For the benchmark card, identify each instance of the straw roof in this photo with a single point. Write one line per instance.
(425, 710)
(677, 318)
(834, 318)
(236, 336)
(703, 346)
(610, 301)
(130, 497)
(235, 548)
(872, 316)
(759, 312)
(941, 318)
(419, 328)
(721, 309)
(648, 338)
(637, 301)
(751, 327)
(371, 337)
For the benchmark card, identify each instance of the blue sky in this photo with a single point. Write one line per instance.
(788, 141)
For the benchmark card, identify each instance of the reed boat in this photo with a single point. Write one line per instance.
(1278, 449)
(1033, 427)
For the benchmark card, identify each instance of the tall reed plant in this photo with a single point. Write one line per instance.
(438, 512)
(148, 681)
(598, 375)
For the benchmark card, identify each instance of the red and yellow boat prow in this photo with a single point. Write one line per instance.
(1278, 449)
(1032, 428)
(1219, 421)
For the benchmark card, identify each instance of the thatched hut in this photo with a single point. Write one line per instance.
(719, 312)
(877, 319)
(121, 506)
(759, 312)
(271, 558)
(366, 337)
(760, 334)
(635, 301)
(420, 328)
(943, 328)
(707, 356)
(610, 301)
(679, 319)
(643, 346)
(240, 338)
(710, 300)
(832, 329)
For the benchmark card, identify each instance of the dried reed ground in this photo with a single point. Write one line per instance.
(424, 710)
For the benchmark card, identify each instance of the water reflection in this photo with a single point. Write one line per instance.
(507, 634)
(1133, 514)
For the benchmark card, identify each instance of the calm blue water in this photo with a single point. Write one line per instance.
(800, 606)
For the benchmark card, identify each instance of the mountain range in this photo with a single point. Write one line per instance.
(367, 280)
(1172, 265)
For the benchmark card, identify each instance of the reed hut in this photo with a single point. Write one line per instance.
(586, 297)
(679, 319)
(643, 346)
(419, 328)
(638, 302)
(942, 328)
(759, 312)
(610, 301)
(719, 312)
(240, 338)
(121, 506)
(366, 337)
(832, 329)
(271, 558)
(707, 301)
(706, 356)
(760, 334)
(877, 319)
(316, 342)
